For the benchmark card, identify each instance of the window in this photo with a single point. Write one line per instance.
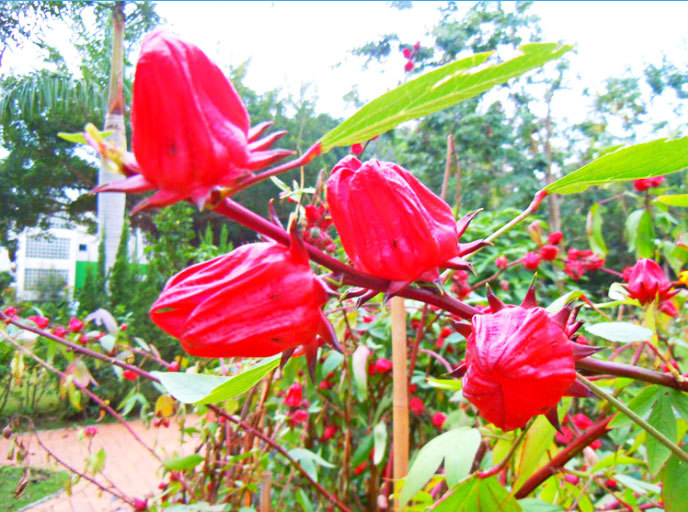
(36, 278)
(82, 247)
(51, 248)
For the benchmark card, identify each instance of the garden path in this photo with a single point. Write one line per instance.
(129, 465)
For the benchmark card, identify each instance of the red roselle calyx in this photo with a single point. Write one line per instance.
(520, 361)
(647, 281)
(391, 225)
(256, 301)
(191, 131)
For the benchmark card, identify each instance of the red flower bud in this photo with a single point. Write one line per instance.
(294, 395)
(548, 252)
(383, 365)
(594, 262)
(298, 416)
(75, 324)
(648, 281)
(445, 332)
(256, 301)
(360, 468)
(574, 269)
(190, 128)
(408, 67)
(389, 223)
(416, 406)
(531, 261)
(413, 388)
(40, 321)
(581, 421)
(174, 366)
(520, 362)
(573, 254)
(90, 431)
(565, 436)
(59, 331)
(140, 505)
(611, 483)
(438, 419)
(644, 184)
(407, 53)
(572, 479)
(10, 311)
(329, 432)
(626, 273)
(669, 308)
(356, 149)
(501, 262)
(130, 375)
(555, 238)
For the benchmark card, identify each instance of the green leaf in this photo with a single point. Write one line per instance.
(679, 400)
(459, 459)
(363, 451)
(625, 332)
(302, 454)
(645, 237)
(632, 222)
(675, 486)
(662, 418)
(436, 90)
(640, 405)
(107, 342)
(615, 459)
(380, 438)
(535, 505)
(562, 301)
(182, 463)
(191, 388)
(674, 200)
(359, 366)
(486, 495)
(238, 384)
(303, 500)
(655, 158)
(593, 229)
(431, 455)
(333, 361)
(95, 462)
(636, 485)
(538, 439)
(78, 138)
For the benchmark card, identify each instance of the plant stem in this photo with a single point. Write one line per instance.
(561, 458)
(532, 207)
(634, 372)
(637, 419)
(349, 275)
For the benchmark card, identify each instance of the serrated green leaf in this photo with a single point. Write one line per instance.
(436, 90)
(674, 200)
(182, 463)
(641, 405)
(662, 418)
(593, 229)
(625, 332)
(380, 444)
(655, 158)
(679, 400)
(675, 485)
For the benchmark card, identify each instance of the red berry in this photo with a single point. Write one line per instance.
(130, 375)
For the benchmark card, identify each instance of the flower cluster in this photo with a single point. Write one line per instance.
(646, 183)
(317, 224)
(410, 55)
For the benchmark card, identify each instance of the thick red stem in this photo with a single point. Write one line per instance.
(634, 372)
(573, 449)
(350, 275)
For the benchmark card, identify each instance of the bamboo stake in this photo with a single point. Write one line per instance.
(265, 505)
(400, 418)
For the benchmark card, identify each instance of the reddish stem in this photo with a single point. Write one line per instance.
(634, 372)
(558, 461)
(350, 275)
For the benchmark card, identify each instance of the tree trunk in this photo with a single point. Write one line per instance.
(553, 199)
(111, 204)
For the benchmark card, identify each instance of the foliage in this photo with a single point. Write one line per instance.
(42, 483)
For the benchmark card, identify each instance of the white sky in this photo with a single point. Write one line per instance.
(294, 43)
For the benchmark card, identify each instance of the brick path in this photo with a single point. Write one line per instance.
(128, 465)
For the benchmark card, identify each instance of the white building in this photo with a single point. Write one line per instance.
(59, 258)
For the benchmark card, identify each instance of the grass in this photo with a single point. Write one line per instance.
(42, 483)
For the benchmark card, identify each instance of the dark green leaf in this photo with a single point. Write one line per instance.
(656, 158)
(363, 451)
(436, 90)
(662, 418)
(679, 399)
(675, 486)
(640, 405)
